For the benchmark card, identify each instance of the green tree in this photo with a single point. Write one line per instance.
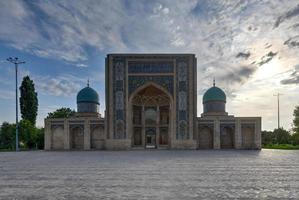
(268, 137)
(282, 136)
(40, 138)
(295, 138)
(296, 120)
(61, 113)
(278, 136)
(30, 137)
(28, 134)
(7, 136)
(28, 100)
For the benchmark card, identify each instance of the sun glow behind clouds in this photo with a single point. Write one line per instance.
(266, 82)
(269, 69)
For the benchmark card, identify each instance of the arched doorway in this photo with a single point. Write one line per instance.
(77, 138)
(150, 117)
(205, 138)
(227, 138)
(57, 139)
(247, 137)
(97, 137)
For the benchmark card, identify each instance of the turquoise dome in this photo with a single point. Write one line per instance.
(87, 95)
(214, 94)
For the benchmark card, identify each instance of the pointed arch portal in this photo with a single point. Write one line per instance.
(150, 116)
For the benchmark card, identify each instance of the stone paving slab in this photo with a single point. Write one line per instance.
(150, 174)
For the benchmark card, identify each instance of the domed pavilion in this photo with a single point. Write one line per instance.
(84, 130)
(87, 100)
(214, 100)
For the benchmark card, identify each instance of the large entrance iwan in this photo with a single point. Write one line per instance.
(150, 119)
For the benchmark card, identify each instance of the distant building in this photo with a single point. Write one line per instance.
(151, 102)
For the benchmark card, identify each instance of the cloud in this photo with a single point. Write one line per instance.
(243, 73)
(59, 86)
(294, 26)
(289, 14)
(243, 55)
(61, 30)
(7, 95)
(267, 46)
(216, 31)
(237, 77)
(267, 58)
(7, 78)
(81, 65)
(292, 42)
(293, 77)
(293, 80)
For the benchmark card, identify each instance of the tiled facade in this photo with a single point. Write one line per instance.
(151, 102)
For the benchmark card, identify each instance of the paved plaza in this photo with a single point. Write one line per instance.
(150, 174)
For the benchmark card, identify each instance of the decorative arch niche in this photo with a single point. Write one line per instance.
(227, 135)
(77, 137)
(205, 138)
(150, 107)
(57, 137)
(247, 136)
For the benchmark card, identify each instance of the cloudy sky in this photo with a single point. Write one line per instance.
(251, 47)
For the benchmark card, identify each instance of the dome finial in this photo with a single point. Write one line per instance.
(214, 82)
(88, 82)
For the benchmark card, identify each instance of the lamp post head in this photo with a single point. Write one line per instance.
(15, 60)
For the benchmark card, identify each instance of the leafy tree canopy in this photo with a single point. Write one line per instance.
(296, 120)
(295, 136)
(27, 134)
(30, 137)
(282, 136)
(28, 100)
(278, 136)
(7, 136)
(61, 113)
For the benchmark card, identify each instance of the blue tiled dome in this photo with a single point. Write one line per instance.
(87, 95)
(214, 94)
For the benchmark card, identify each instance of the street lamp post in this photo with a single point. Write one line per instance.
(278, 114)
(16, 61)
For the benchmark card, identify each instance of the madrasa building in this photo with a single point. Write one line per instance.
(151, 102)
